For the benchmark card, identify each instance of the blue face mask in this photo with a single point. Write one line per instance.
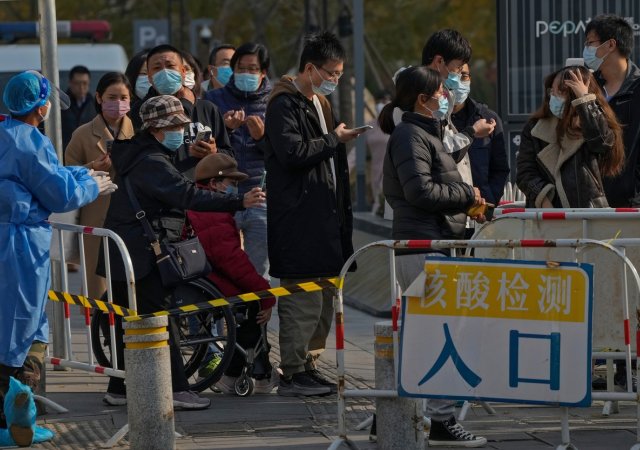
(224, 73)
(443, 108)
(590, 58)
(556, 105)
(231, 189)
(167, 81)
(247, 82)
(462, 92)
(326, 87)
(142, 86)
(173, 140)
(453, 81)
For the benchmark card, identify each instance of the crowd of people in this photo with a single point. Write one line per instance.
(201, 155)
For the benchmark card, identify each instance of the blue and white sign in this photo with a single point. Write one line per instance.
(498, 330)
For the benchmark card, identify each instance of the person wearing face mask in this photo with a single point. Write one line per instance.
(429, 198)
(136, 73)
(310, 220)
(569, 144)
(446, 51)
(232, 270)
(90, 146)
(164, 193)
(219, 68)
(166, 72)
(487, 155)
(607, 50)
(33, 184)
(243, 102)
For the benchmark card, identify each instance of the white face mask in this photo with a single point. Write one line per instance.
(46, 115)
(189, 80)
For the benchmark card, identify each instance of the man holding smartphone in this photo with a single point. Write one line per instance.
(310, 217)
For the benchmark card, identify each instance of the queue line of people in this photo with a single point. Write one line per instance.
(445, 158)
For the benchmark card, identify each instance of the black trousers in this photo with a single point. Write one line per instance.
(151, 296)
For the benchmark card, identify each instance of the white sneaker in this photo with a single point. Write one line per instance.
(227, 384)
(114, 399)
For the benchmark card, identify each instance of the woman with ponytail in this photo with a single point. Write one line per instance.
(422, 184)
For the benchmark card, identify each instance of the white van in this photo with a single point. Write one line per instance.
(98, 58)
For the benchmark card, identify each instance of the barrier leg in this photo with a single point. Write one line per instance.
(566, 437)
(148, 377)
(50, 403)
(610, 406)
(398, 420)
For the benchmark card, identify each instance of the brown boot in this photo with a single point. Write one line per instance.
(23, 436)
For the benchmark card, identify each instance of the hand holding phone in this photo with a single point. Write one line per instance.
(204, 135)
(363, 128)
(263, 180)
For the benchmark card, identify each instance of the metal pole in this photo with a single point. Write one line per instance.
(358, 65)
(49, 64)
(59, 337)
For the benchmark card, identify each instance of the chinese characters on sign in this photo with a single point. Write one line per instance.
(498, 330)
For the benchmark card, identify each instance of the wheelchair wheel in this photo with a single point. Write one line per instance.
(203, 334)
(199, 333)
(244, 385)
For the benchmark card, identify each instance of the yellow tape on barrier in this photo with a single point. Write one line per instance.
(130, 315)
(92, 303)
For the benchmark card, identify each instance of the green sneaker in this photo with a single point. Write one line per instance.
(210, 366)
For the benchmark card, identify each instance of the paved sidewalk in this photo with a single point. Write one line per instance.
(273, 422)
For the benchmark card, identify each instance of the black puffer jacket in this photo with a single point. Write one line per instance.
(567, 173)
(163, 193)
(624, 189)
(310, 221)
(422, 184)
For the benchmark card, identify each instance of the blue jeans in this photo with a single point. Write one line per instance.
(252, 222)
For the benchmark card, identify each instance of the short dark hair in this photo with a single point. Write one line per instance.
(133, 68)
(449, 44)
(107, 80)
(320, 48)
(610, 26)
(216, 49)
(163, 48)
(410, 83)
(251, 48)
(78, 70)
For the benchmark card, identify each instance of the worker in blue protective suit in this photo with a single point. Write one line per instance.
(33, 184)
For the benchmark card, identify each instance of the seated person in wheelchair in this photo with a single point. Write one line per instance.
(233, 272)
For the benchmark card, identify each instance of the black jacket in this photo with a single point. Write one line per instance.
(203, 113)
(622, 189)
(567, 173)
(422, 184)
(488, 156)
(309, 216)
(248, 155)
(163, 193)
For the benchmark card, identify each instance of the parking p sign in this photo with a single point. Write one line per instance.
(498, 330)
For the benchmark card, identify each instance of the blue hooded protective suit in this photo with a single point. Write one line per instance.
(33, 184)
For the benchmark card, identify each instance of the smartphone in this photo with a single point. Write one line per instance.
(109, 145)
(203, 136)
(263, 180)
(363, 128)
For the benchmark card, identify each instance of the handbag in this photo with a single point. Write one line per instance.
(178, 262)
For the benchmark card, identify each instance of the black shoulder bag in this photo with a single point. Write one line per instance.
(177, 262)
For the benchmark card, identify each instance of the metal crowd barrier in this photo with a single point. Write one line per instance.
(63, 355)
(576, 244)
